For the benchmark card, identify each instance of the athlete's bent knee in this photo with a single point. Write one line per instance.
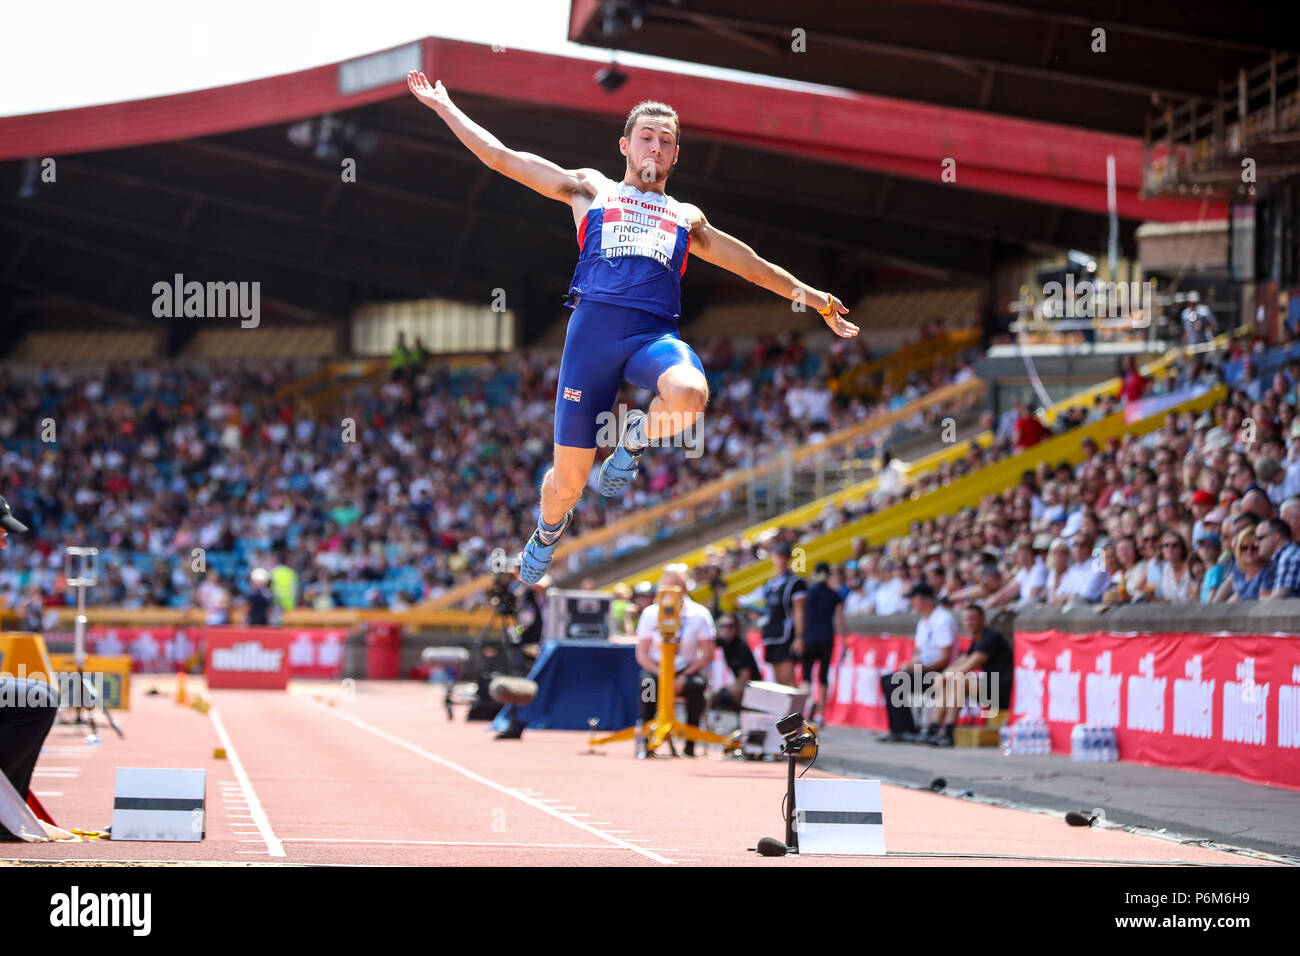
(688, 399)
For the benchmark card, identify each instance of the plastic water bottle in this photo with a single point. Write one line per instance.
(1006, 739)
(1112, 745)
(640, 741)
(1078, 738)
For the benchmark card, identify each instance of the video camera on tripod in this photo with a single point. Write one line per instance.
(500, 597)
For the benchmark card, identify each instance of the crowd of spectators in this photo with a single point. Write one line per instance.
(188, 476)
(1204, 509)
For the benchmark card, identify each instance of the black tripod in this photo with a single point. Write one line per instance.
(81, 571)
(495, 651)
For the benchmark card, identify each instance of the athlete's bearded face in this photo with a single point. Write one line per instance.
(651, 150)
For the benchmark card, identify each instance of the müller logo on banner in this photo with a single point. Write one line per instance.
(248, 656)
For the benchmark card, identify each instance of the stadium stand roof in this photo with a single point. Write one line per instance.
(1031, 59)
(243, 183)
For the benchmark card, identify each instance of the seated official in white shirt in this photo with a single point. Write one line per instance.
(936, 638)
(695, 644)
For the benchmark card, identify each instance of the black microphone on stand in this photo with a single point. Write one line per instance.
(797, 735)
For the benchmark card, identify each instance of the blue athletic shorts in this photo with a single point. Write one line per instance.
(603, 345)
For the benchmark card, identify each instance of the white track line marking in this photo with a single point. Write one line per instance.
(48, 793)
(544, 846)
(273, 846)
(514, 792)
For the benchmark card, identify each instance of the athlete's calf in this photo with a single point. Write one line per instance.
(564, 480)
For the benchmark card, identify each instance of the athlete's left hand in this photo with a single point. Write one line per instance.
(839, 325)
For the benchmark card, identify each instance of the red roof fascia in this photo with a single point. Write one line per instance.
(1039, 161)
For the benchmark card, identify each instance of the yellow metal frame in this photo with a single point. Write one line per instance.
(665, 724)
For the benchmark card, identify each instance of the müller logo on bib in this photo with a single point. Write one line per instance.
(247, 657)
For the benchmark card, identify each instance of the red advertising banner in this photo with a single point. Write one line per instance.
(857, 665)
(312, 652)
(254, 657)
(1225, 704)
(316, 653)
(153, 650)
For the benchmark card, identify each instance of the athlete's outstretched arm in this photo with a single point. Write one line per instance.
(727, 252)
(538, 174)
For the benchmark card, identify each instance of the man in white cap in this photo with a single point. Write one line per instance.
(695, 644)
(260, 599)
(1198, 320)
(936, 639)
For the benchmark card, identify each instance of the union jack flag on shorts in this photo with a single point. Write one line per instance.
(573, 394)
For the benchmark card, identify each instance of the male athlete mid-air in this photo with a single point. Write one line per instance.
(626, 299)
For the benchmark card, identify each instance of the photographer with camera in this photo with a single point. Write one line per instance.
(521, 605)
(511, 597)
(27, 707)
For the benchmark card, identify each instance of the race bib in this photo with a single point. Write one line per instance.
(632, 227)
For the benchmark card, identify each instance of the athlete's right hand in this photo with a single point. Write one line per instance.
(834, 317)
(435, 97)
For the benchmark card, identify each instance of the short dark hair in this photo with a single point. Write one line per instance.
(1280, 527)
(652, 108)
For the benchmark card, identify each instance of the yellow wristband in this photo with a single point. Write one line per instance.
(830, 308)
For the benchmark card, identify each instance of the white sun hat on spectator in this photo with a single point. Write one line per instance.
(1216, 438)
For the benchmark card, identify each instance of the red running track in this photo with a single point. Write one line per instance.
(383, 778)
